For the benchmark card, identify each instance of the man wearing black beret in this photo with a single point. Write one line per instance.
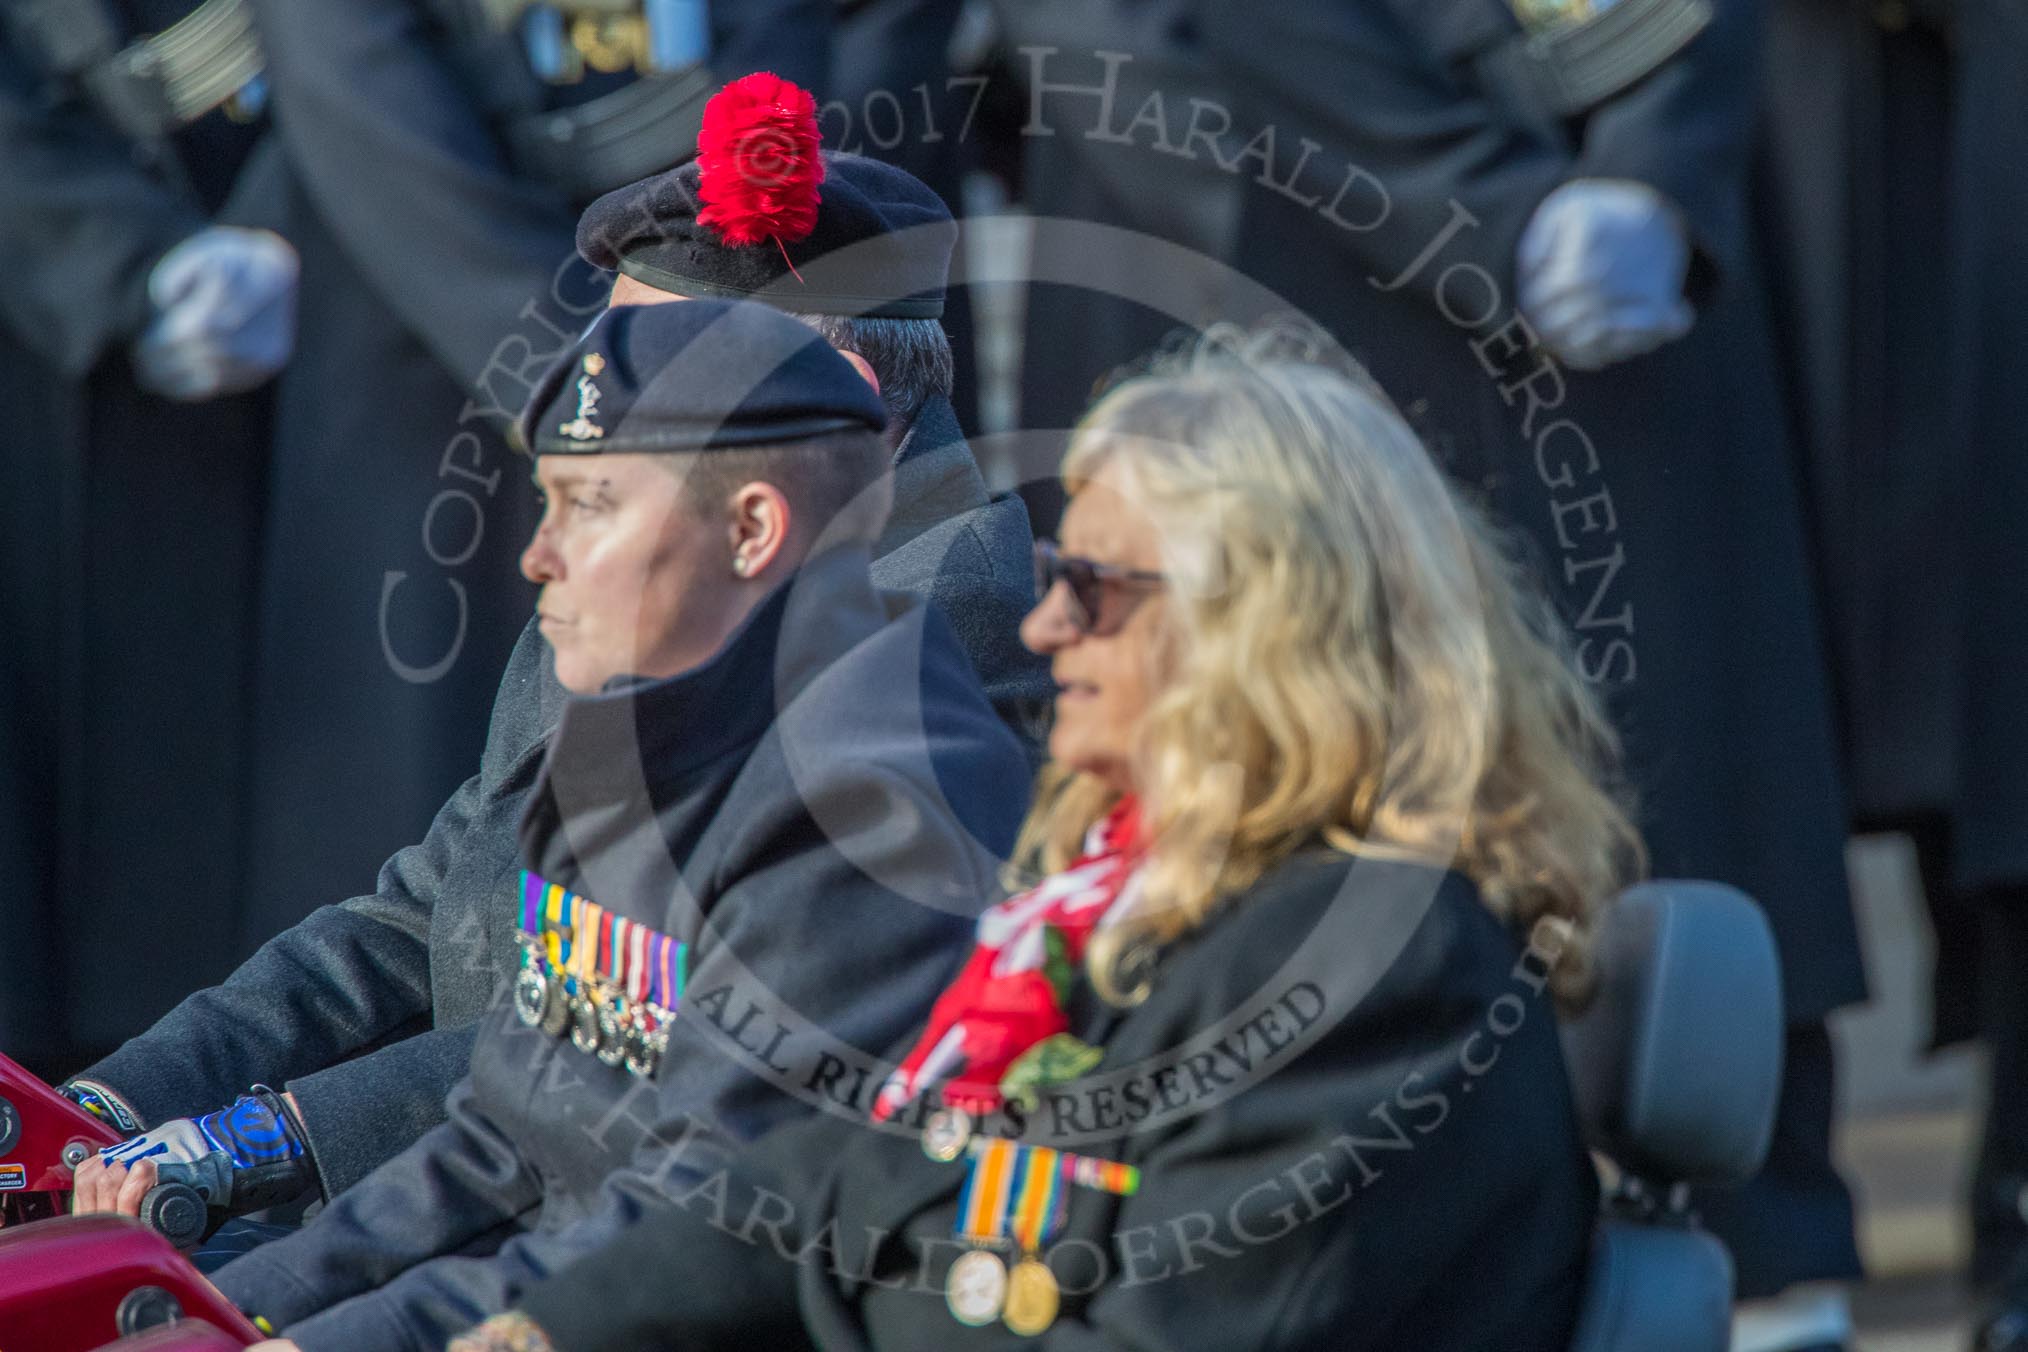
(864, 263)
(751, 724)
(364, 1012)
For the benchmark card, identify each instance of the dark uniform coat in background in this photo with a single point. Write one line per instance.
(1854, 196)
(1901, 339)
(366, 1010)
(1990, 291)
(1900, 312)
(1658, 496)
(1262, 1222)
(128, 563)
(1075, 341)
(777, 814)
(439, 276)
(890, 95)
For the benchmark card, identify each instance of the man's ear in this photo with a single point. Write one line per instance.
(863, 367)
(760, 526)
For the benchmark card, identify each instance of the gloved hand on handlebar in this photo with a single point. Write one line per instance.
(241, 1158)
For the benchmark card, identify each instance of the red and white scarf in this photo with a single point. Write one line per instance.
(1002, 1002)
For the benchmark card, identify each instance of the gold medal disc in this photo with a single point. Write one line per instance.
(976, 1290)
(1032, 1298)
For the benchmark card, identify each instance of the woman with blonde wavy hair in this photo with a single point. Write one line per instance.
(1261, 1052)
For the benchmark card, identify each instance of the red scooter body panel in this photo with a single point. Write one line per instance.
(37, 1124)
(188, 1335)
(62, 1283)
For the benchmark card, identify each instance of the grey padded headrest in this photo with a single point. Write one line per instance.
(1678, 1059)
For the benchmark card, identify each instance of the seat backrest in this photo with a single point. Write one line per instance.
(1655, 1288)
(1677, 1061)
(1676, 1065)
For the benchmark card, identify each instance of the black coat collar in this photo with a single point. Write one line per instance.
(935, 477)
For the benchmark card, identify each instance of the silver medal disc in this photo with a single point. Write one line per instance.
(612, 1036)
(946, 1134)
(977, 1288)
(645, 1050)
(584, 1026)
(639, 1058)
(531, 996)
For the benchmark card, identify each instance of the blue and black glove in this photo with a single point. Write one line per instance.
(243, 1158)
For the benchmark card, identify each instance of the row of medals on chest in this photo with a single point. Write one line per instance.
(981, 1286)
(600, 1020)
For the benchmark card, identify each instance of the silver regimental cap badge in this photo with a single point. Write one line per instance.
(584, 427)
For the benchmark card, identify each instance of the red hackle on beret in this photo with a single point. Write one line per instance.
(758, 164)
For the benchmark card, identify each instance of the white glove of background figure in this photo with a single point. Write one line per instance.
(1601, 268)
(224, 314)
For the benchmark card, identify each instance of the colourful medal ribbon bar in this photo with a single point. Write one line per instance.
(553, 938)
(668, 975)
(1121, 1180)
(1012, 1192)
(1038, 1200)
(585, 942)
(573, 913)
(989, 1186)
(588, 946)
(1084, 1171)
(531, 904)
(637, 963)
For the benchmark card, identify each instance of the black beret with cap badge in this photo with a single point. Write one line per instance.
(697, 375)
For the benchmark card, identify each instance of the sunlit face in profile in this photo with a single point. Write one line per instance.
(635, 580)
(1106, 649)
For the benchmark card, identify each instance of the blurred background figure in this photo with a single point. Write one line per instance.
(140, 320)
(259, 634)
(1990, 865)
(438, 154)
(893, 94)
(1896, 139)
(1550, 268)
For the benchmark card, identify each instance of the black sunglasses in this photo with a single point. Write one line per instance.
(1091, 585)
